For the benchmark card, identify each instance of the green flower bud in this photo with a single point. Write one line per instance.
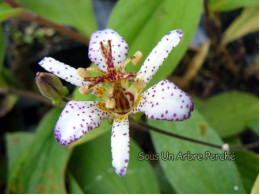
(51, 87)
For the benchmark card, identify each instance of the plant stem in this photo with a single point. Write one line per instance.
(26, 94)
(31, 16)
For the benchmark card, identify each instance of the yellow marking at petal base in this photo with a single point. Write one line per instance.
(137, 101)
(102, 106)
(101, 91)
(120, 118)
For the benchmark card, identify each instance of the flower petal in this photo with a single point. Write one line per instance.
(76, 119)
(159, 55)
(62, 70)
(120, 146)
(165, 101)
(119, 48)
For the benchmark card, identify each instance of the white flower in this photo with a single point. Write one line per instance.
(107, 49)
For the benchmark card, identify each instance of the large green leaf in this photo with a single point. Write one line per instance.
(16, 144)
(77, 13)
(229, 113)
(41, 167)
(74, 187)
(195, 176)
(248, 166)
(227, 5)
(144, 22)
(92, 168)
(254, 126)
(2, 48)
(7, 12)
(247, 22)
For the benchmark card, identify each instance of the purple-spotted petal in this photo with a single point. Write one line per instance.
(165, 101)
(76, 119)
(120, 146)
(119, 48)
(62, 70)
(159, 55)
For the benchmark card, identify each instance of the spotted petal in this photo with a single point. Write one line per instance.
(159, 55)
(119, 48)
(120, 146)
(62, 70)
(165, 101)
(78, 118)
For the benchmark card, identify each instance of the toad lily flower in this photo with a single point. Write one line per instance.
(121, 92)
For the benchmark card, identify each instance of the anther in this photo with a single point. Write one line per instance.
(110, 103)
(137, 58)
(82, 72)
(84, 90)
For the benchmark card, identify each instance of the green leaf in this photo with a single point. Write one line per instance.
(7, 12)
(227, 5)
(92, 168)
(195, 176)
(41, 167)
(163, 181)
(254, 126)
(16, 144)
(144, 22)
(255, 189)
(228, 113)
(2, 48)
(74, 187)
(77, 13)
(247, 22)
(248, 167)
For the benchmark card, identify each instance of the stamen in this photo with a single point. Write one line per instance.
(82, 72)
(84, 90)
(137, 58)
(110, 103)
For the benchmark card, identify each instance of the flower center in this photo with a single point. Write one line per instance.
(119, 100)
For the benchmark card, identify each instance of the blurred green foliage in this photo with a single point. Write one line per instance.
(38, 164)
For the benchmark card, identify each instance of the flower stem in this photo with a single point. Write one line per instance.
(31, 16)
(146, 127)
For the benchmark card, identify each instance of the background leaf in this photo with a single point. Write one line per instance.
(41, 167)
(16, 144)
(143, 23)
(92, 168)
(254, 126)
(77, 13)
(247, 22)
(7, 12)
(74, 187)
(227, 5)
(248, 167)
(203, 176)
(229, 113)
